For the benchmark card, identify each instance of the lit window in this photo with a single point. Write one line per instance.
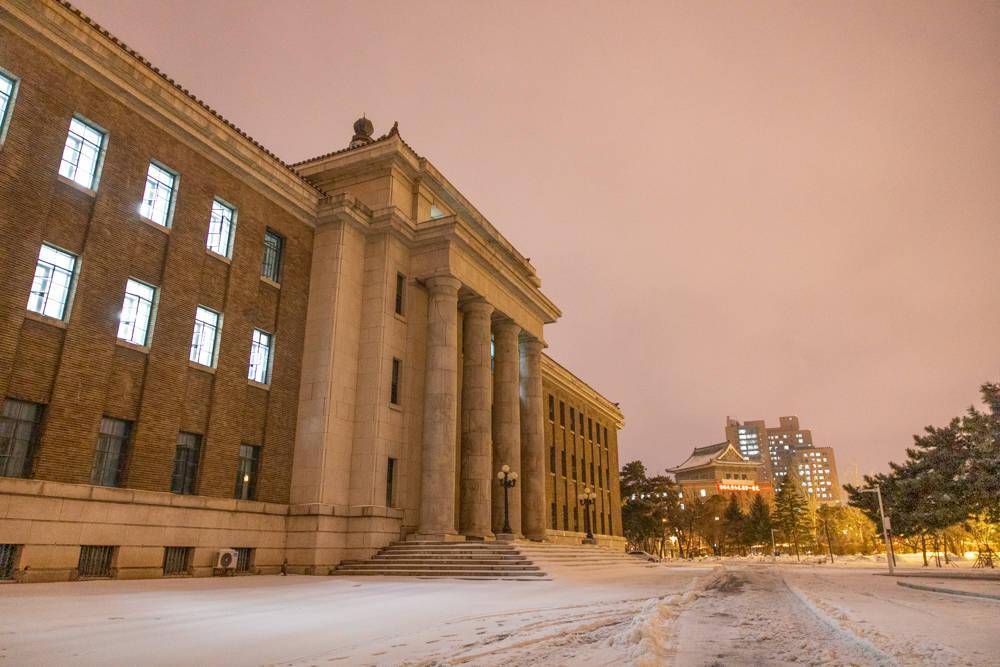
(8, 88)
(270, 265)
(436, 212)
(53, 283)
(137, 312)
(260, 357)
(206, 336)
(246, 472)
(81, 159)
(701, 492)
(158, 199)
(221, 228)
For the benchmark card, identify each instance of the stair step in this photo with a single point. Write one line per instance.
(461, 574)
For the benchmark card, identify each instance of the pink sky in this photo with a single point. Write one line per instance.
(748, 209)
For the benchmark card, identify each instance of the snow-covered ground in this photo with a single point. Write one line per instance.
(728, 613)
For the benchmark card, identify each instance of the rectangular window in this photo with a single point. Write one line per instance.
(8, 90)
(590, 428)
(18, 437)
(246, 472)
(95, 561)
(186, 459)
(563, 452)
(555, 520)
(244, 559)
(52, 286)
(176, 560)
(221, 229)
(598, 434)
(606, 443)
(261, 352)
(270, 266)
(572, 420)
(400, 293)
(565, 517)
(394, 386)
(602, 523)
(158, 198)
(207, 325)
(112, 450)
(552, 408)
(137, 312)
(573, 460)
(8, 560)
(82, 156)
(562, 413)
(390, 478)
(552, 459)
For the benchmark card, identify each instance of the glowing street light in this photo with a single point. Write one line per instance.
(507, 479)
(889, 555)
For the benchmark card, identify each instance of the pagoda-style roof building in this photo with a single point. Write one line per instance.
(719, 468)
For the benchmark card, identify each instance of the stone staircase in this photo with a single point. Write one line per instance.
(456, 560)
(554, 557)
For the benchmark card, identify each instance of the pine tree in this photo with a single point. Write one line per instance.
(791, 513)
(734, 523)
(758, 521)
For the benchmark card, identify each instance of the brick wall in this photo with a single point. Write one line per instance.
(78, 370)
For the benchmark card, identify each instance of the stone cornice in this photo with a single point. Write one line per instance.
(568, 382)
(54, 26)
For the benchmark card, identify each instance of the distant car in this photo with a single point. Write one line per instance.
(644, 556)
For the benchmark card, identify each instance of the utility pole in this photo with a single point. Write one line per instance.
(889, 555)
(826, 529)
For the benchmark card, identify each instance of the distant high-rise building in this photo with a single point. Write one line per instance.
(787, 449)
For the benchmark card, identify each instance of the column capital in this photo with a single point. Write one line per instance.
(533, 345)
(478, 306)
(443, 283)
(507, 326)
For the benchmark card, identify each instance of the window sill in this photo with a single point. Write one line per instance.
(259, 385)
(268, 281)
(400, 317)
(76, 186)
(221, 258)
(201, 367)
(132, 346)
(163, 229)
(396, 407)
(45, 319)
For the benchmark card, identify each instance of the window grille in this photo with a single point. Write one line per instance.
(394, 386)
(158, 198)
(8, 560)
(186, 459)
(176, 560)
(244, 559)
(53, 282)
(205, 337)
(18, 437)
(95, 561)
(137, 310)
(400, 292)
(270, 266)
(112, 448)
(260, 357)
(82, 154)
(246, 472)
(221, 227)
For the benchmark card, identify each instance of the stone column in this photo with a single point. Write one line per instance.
(437, 495)
(477, 436)
(506, 420)
(533, 507)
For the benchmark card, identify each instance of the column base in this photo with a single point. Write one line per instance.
(435, 537)
(508, 537)
(589, 540)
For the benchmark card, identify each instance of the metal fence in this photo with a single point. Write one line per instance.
(8, 559)
(244, 559)
(95, 561)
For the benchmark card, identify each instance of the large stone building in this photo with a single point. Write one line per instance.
(202, 347)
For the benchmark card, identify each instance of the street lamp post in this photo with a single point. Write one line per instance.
(774, 547)
(885, 526)
(507, 480)
(587, 499)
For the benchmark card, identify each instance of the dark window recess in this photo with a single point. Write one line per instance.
(598, 481)
(607, 477)
(576, 518)
(606, 443)
(246, 472)
(552, 408)
(112, 450)
(176, 560)
(598, 434)
(400, 291)
(18, 437)
(572, 420)
(95, 561)
(394, 387)
(562, 413)
(565, 518)
(270, 265)
(555, 520)
(186, 460)
(602, 523)
(573, 461)
(390, 478)
(552, 459)
(244, 559)
(563, 451)
(583, 470)
(590, 428)
(8, 560)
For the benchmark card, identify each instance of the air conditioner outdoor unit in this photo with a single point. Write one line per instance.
(226, 559)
